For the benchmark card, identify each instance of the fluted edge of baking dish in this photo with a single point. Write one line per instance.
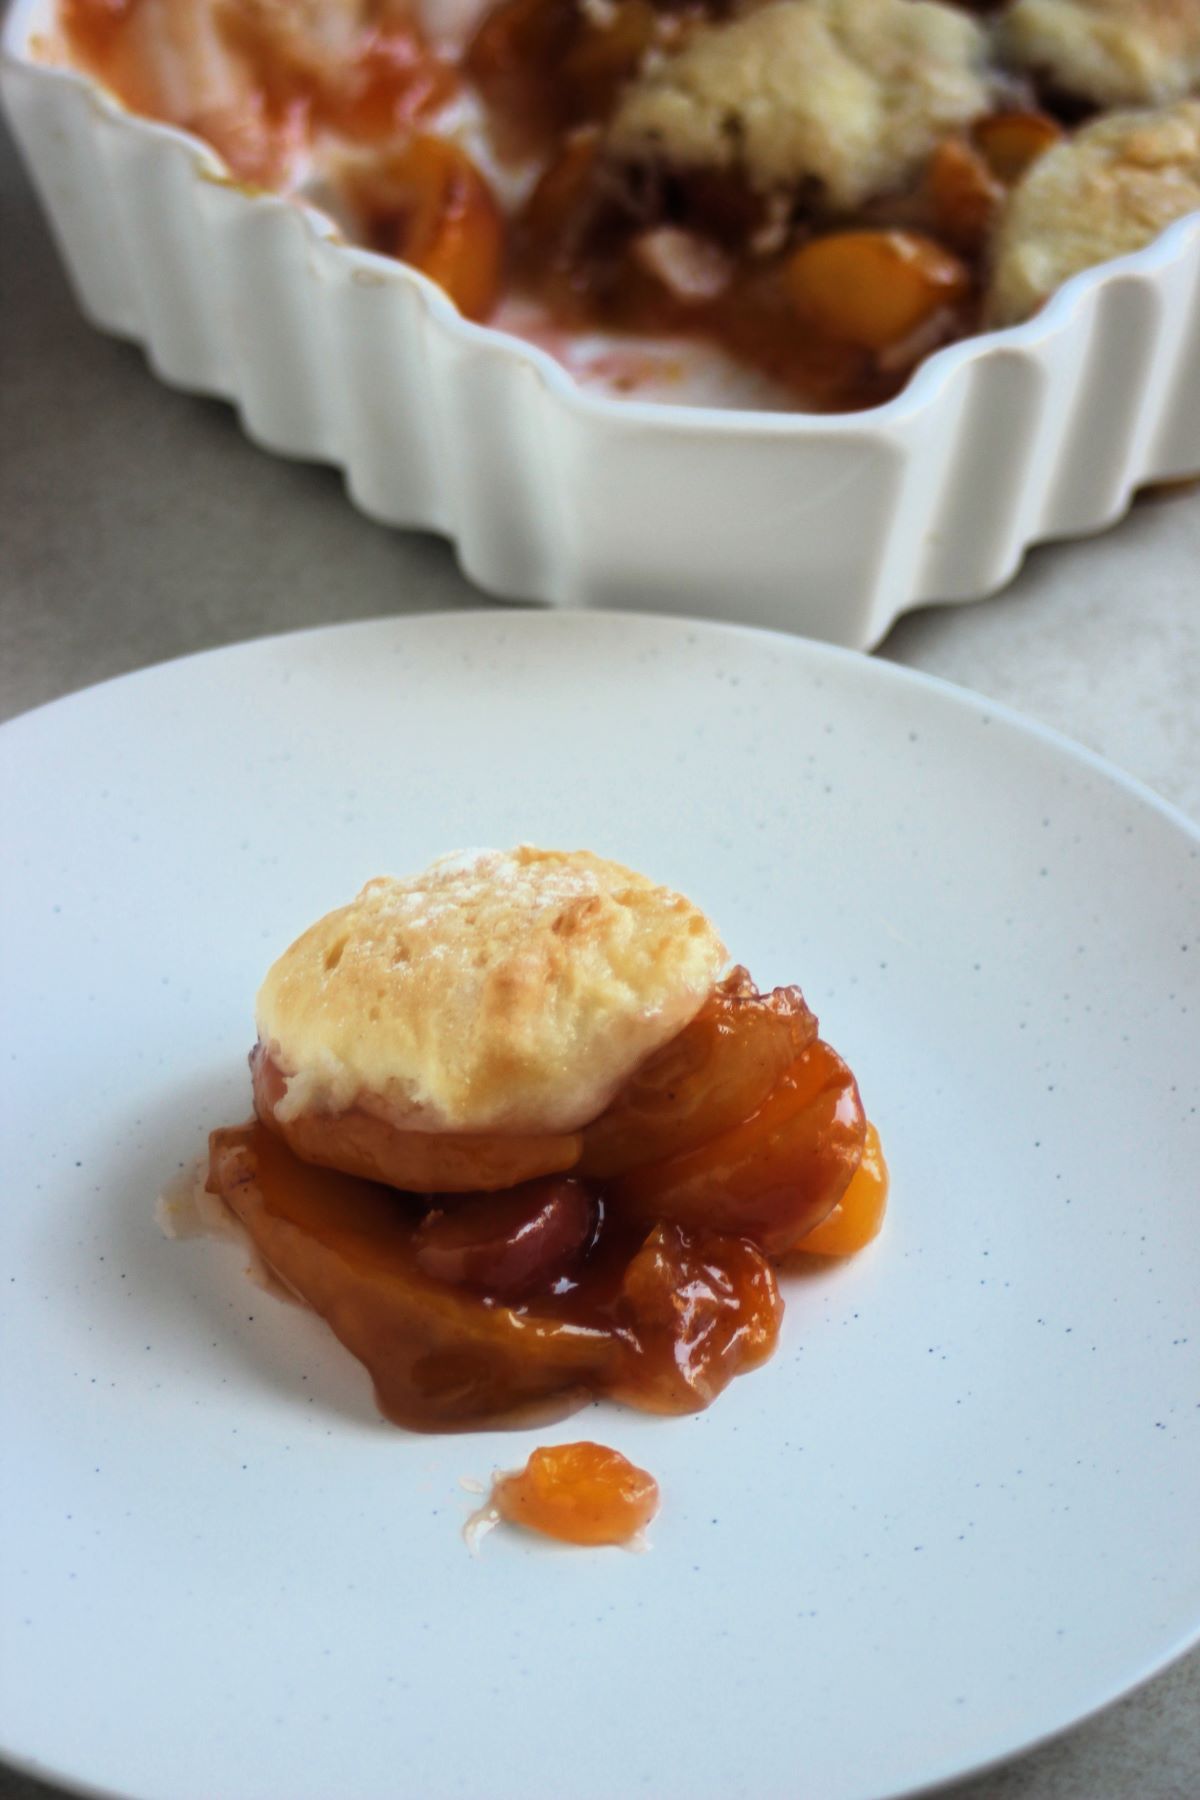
(830, 526)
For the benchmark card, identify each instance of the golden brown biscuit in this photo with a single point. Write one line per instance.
(847, 94)
(1111, 189)
(1112, 52)
(495, 992)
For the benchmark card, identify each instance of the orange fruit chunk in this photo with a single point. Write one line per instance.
(428, 204)
(873, 289)
(578, 1493)
(858, 1215)
(1012, 141)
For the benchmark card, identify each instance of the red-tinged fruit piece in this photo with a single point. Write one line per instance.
(507, 1243)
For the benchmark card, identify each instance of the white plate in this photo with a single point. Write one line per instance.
(954, 1514)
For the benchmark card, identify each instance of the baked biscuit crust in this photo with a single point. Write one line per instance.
(1111, 52)
(850, 95)
(1109, 190)
(497, 991)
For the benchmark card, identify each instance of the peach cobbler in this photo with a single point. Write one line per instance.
(764, 202)
(521, 1136)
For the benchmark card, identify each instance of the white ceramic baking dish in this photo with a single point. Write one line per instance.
(830, 526)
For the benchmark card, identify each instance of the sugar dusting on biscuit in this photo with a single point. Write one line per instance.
(496, 991)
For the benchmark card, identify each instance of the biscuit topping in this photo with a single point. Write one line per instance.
(849, 95)
(1110, 52)
(508, 991)
(1107, 191)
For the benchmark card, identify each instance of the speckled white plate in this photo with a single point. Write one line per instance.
(954, 1514)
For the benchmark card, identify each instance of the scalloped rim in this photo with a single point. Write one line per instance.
(927, 382)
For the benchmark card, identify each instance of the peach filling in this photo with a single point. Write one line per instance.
(485, 1278)
(253, 88)
(838, 308)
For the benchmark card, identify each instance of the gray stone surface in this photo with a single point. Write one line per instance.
(137, 524)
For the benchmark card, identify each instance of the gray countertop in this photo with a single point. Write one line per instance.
(138, 524)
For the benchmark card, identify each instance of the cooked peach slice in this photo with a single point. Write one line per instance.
(717, 1072)
(858, 1215)
(772, 1177)
(1012, 141)
(603, 59)
(964, 195)
(439, 1355)
(699, 1308)
(513, 59)
(554, 216)
(873, 289)
(428, 205)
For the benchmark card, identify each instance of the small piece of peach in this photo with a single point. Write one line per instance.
(579, 1493)
(858, 1215)
(428, 205)
(873, 289)
(964, 194)
(1012, 141)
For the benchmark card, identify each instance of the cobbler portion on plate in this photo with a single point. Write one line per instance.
(520, 1136)
(815, 193)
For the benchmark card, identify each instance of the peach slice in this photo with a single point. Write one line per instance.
(772, 1177)
(717, 1072)
(858, 1215)
(427, 204)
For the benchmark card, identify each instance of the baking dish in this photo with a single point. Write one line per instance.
(828, 525)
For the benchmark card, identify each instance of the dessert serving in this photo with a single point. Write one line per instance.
(791, 203)
(521, 1137)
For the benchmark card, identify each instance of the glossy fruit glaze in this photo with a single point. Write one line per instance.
(858, 1216)
(478, 1298)
(471, 1327)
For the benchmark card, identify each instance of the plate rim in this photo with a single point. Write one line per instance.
(884, 669)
